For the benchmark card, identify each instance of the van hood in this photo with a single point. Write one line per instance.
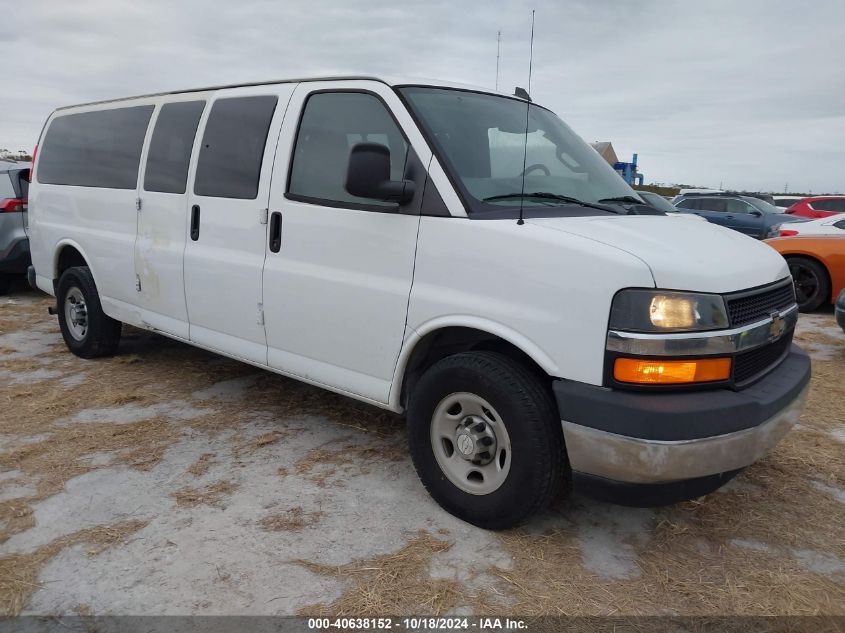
(695, 256)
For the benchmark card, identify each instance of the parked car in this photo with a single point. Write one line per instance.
(840, 310)
(383, 239)
(817, 266)
(784, 202)
(818, 206)
(14, 244)
(745, 214)
(662, 204)
(832, 225)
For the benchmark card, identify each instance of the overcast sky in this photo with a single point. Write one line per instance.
(750, 93)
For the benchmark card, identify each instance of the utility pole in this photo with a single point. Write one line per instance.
(498, 47)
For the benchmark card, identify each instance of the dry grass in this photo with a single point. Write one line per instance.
(394, 583)
(19, 572)
(294, 520)
(58, 458)
(321, 464)
(210, 495)
(201, 466)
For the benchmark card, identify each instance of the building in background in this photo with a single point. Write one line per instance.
(628, 171)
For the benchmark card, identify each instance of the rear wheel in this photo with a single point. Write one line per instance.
(486, 439)
(87, 330)
(812, 285)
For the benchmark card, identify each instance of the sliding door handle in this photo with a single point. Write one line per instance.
(275, 231)
(195, 222)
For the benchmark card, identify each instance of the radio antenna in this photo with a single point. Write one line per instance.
(527, 111)
(498, 48)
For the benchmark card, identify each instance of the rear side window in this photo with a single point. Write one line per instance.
(687, 203)
(95, 149)
(331, 124)
(737, 206)
(712, 204)
(829, 205)
(840, 224)
(171, 145)
(6, 189)
(229, 164)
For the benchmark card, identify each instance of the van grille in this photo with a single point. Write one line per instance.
(756, 306)
(756, 362)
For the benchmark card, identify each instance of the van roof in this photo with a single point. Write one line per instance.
(385, 79)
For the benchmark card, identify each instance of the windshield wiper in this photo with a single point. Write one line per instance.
(545, 195)
(630, 199)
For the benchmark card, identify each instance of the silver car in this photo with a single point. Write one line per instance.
(14, 242)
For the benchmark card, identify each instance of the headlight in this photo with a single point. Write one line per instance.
(666, 311)
(774, 231)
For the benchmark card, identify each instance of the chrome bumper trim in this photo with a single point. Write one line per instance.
(634, 460)
(702, 343)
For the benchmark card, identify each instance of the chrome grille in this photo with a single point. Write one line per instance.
(756, 362)
(748, 307)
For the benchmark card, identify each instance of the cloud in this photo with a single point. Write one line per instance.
(745, 93)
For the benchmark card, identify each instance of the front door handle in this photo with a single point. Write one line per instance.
(195, 222)
(276, 231)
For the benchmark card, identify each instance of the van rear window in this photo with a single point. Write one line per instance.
(94, 149)
(229, 164)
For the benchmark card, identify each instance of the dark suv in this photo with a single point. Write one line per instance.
(746, 214)
(14, 243)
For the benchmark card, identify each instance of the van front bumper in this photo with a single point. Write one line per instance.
(676, 445)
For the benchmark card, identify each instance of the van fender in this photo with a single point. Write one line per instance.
(58, 249)
(415, 335)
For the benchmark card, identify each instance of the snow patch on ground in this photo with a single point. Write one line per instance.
(129, 413)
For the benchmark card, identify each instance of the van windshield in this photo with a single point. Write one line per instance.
(481, 139)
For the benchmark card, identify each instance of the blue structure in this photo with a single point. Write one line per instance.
(629, 172)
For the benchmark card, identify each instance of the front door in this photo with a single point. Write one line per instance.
(225, 249)
(336, 291)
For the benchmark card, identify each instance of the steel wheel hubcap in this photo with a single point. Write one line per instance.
(76, 314)
(470, 443)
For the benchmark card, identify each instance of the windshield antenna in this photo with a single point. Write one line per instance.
(498, 48)
(527, 111)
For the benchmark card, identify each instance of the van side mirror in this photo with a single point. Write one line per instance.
(368, 175)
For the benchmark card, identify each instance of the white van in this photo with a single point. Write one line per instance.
(436, 249)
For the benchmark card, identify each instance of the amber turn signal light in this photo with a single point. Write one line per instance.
(671, 372)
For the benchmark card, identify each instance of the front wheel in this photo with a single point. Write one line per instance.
(812, 285)
(87, 330)
(486, 439)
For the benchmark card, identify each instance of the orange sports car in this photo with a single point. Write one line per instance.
(817, 264)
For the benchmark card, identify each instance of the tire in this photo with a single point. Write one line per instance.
(527, 465)
(88, 332)
(812, 283)
(5, 284)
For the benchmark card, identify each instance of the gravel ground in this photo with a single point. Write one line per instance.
(168, 480)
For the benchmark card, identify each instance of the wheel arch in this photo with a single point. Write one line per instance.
(818, 260)
(440, 338)
(67, 254)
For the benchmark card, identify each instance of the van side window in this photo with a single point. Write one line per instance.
(95, 149)
(331, 124)
(229, 164)
(171, 145)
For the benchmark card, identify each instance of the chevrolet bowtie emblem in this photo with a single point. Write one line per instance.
(777, 327)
